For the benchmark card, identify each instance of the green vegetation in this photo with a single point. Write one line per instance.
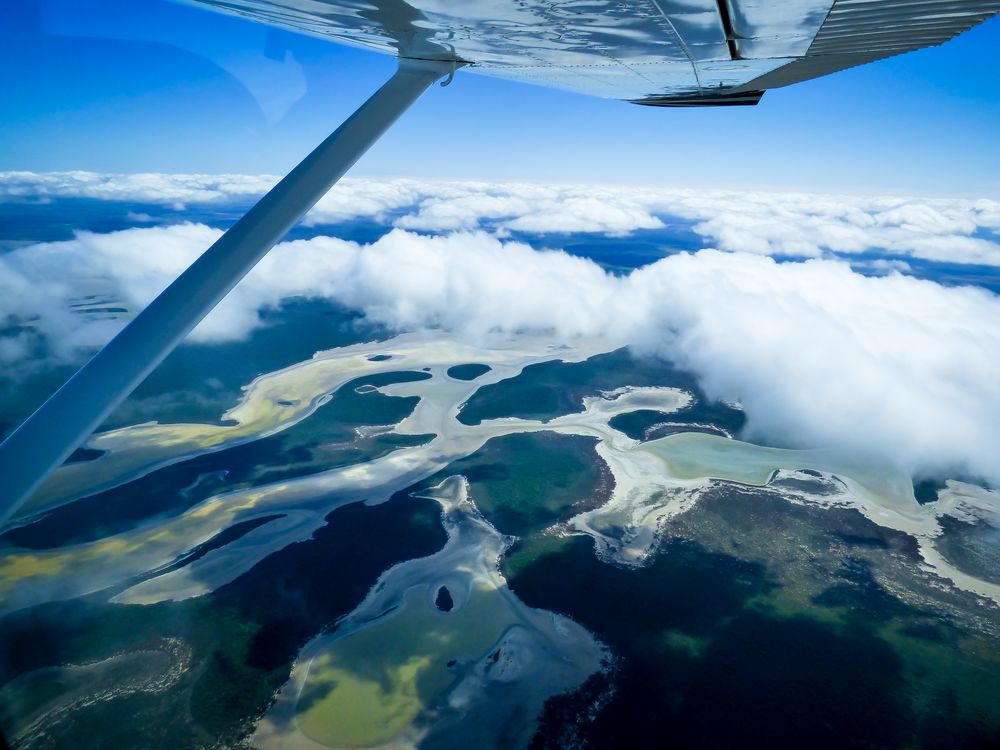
(636, 424)
(468, 372)
(972, 547)
(643, 424)
(527, 481)
(699, 665)
(788, 637)
(551, 389)
(367, 687)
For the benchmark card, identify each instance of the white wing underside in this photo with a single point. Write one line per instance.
(666, 52)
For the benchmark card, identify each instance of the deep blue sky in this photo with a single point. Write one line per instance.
(149, 85)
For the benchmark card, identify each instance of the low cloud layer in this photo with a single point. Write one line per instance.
(776, 224)
(894, 368)
(176, 190)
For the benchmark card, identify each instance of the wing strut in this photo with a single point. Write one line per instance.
(62, 423)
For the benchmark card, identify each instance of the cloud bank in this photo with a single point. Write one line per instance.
(777, 224)
(893, 368)
(175, 190)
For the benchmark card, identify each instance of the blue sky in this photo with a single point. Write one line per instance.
(148, 85)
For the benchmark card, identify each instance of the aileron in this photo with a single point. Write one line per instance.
(646, 51)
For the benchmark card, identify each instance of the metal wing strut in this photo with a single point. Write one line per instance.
(62, 423)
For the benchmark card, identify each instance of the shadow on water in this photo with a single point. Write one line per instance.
(325, 440)
(683, 588)
(808, 649)
(243, 637)
(731, 676)
(297, 591)
(198, 382)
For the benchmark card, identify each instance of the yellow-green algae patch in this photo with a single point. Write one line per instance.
(398, 672)
(373, 684)
(18, 567)
(273, 402)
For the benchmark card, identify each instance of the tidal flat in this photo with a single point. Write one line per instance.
(400, 670)
(615, 563)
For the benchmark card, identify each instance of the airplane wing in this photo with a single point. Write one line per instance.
(656, 52)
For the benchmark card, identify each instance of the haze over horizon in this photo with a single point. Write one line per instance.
(156, 86)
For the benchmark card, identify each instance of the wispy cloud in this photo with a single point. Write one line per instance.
(176, 190)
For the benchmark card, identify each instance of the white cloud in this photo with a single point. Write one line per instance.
(374, 199)
(348, 200)
(890, 367)
(175, 190)
(777, 224)
(893, 367)
(813, 225)
(534, 209)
